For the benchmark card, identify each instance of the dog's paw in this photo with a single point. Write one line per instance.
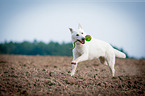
(72, 74)
(73, 63)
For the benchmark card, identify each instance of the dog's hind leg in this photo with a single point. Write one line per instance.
(111, 63)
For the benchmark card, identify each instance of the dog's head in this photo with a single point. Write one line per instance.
(78, 36)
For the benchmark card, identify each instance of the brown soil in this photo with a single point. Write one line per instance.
(50, 75)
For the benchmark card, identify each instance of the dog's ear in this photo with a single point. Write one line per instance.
(71, 30)
(80, 27)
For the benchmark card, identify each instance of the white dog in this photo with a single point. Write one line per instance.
(88, 50)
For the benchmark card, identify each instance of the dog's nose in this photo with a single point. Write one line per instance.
(83, 41)
(83, 38)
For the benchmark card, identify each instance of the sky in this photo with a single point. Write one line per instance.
(118, 22)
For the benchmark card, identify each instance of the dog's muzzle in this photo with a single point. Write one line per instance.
(82, 41)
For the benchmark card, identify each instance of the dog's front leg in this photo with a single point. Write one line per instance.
(74, 66)
(83, 57)
(76, 61)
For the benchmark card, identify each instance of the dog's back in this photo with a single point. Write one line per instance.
(97, 48)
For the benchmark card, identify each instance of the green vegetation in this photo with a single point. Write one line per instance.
(39, 48)
(36, 48)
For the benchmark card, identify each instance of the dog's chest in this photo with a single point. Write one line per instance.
(80, 50)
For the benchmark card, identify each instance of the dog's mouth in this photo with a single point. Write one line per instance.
(83, 41)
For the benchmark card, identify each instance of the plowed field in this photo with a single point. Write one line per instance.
(50, 76)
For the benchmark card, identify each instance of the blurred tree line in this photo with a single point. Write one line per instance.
(39, 48)
(36, 48)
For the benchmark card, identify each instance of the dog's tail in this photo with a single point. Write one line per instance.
(119, 54)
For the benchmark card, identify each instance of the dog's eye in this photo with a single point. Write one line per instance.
(77, 35)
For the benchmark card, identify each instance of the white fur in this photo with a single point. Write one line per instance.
(93, 49)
